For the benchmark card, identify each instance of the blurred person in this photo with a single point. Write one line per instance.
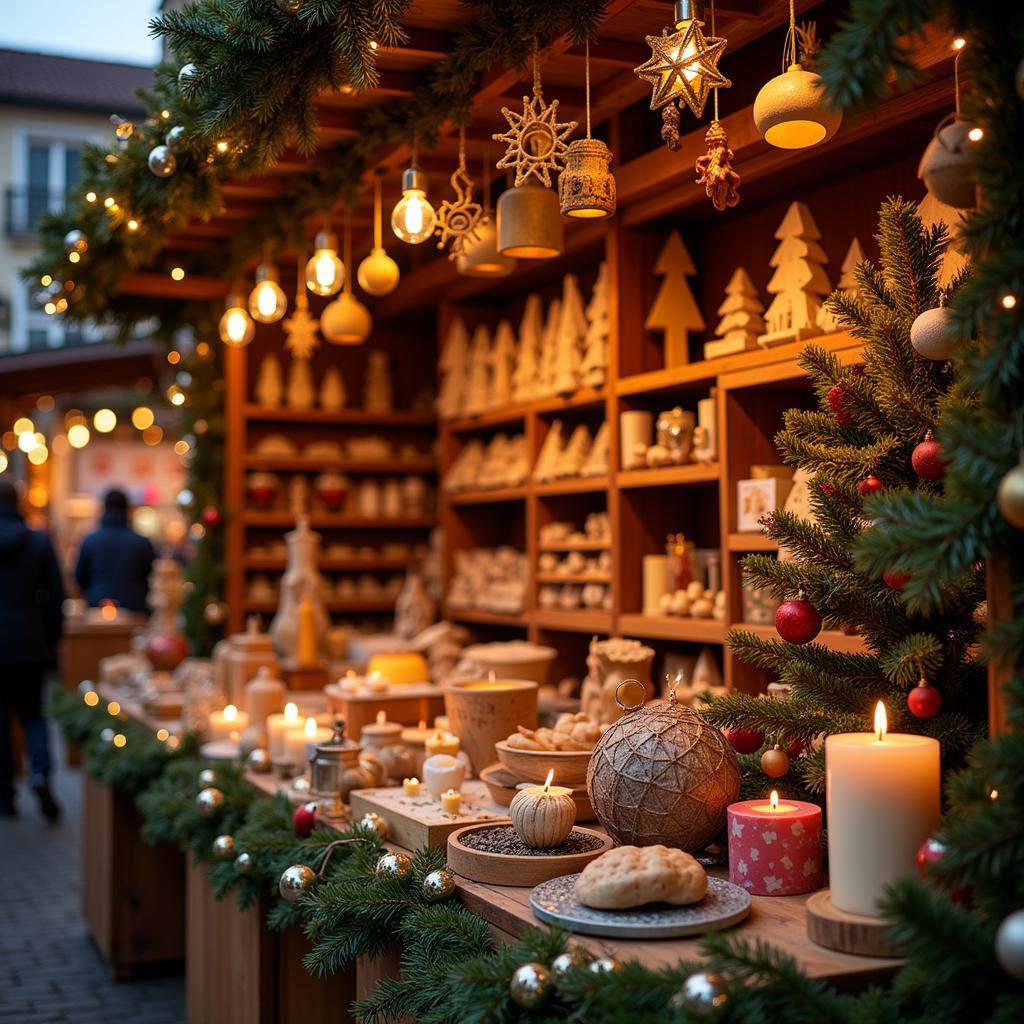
(114, 561)
(31, 617)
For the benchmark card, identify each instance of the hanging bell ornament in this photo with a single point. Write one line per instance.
(439, 886)
(295, 882)
(480, 257)
(703, 995)
(393, 865)
(529, 224)
(162, 162)
(209, 801)
(207, 777)
(530, 985)
(346, 321)
(371, 821)
(586, 186)
(947, 165)
(244, 864)
(1010, 496)
(224, 847)
(176, 140)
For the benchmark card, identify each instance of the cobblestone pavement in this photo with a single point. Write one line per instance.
(50, 970)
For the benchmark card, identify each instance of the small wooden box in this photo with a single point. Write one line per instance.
(755, 498)
(407, 704)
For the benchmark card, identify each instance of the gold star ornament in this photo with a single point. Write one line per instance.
(300, 328)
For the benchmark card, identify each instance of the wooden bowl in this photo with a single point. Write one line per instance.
(533, 765)
(503, 786)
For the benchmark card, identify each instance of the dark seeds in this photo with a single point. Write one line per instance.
(503, 839)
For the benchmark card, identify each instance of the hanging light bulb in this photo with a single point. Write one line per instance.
(480, 256)
(325, 273)
(791, 111)
(413, 218)
(346, 321)
(267, 303)
(378, 273)
(236, 327)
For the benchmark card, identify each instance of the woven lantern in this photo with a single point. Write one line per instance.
(661, 774)
(586, 187)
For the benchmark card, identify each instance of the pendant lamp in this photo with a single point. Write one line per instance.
(378, 273)
(480, 256)
(267, 302)
(346, 321)
(236, 328)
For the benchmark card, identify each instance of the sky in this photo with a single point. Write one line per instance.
(115, 30)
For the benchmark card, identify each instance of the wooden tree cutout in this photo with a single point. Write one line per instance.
(525, 384)
(595, 345)
(453, 363)
(741, 322)
(674, 312)
(847, 284)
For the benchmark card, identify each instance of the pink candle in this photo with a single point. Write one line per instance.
(775, 848)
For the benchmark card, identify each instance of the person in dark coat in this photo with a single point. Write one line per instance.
(31, 617)
(114, 561)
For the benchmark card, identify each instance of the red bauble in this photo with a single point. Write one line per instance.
(837, 403)
(304, 819)
(924, 701)
(896, 579)
(870, 485)
(927, 460)
(798, 621)
(795, 749)
(333, 498)
(932, 851)
(745, 741)
(166, 651)
(211, 516)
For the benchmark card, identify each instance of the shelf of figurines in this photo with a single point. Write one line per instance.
(341, 417)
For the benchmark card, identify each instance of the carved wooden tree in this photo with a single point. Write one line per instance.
(531, 328)
(453, 367)
(572, 329)
(478, 386)
(847, 284)
(674, 312)
(799, 283)
(741, 322)
(549, 349)
(502, 359)
(594, 367)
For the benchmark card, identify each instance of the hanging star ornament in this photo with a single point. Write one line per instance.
(458, 219)
(300, 328)
(535, 139)
(684, 66)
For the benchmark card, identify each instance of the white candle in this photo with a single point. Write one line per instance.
(882, 792)
(300, 744)
(442, 772)
(228, 724)
(377, 683)
(450, 801)
(277, 725)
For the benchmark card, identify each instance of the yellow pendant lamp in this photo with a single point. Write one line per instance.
(346, 321)
(236, 328)
(378, 273)
(480, 256)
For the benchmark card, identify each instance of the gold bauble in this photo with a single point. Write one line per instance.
(480, 257)
(1010, 496)
(439, 886)
(209, 801)
(224, 847)
(378, 274)
(530, 985)
(947, 165)
(346, 321)
(586, 186)
(393, 865)
(295, 882)
(791, 112)
(371, 821)
(529, 224)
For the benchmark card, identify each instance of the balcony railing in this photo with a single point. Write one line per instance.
(25, 204)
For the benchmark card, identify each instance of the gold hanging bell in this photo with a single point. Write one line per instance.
(480, 257)
(529, 224)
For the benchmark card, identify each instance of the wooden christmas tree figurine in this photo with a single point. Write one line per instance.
(847, 284)
(572, 329)
(674, 311)
(799, 283)
(269, 385)
(377, 396)
(478, 385)
(595, 344)
(741, 322)
(502, 360)
(550, 453)
(574, 455)
(453, 364)
(301, 393)
(333, 395)
(531, 328)
(549, 350)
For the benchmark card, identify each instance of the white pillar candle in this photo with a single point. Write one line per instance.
(882, 793)
(228, 724)
(655, 569)
(277, 725)
(300, 743)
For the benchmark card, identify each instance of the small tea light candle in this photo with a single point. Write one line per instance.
(440, 742)
(377, 683)
(441, 722)
(775, 848)
(411, 786)
(450, 800)
(277, 725)
(543, 816)
(350, 682)
(441, 772)
(108, 610)
(228, 724)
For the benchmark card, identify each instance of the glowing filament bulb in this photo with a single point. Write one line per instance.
(230, 713)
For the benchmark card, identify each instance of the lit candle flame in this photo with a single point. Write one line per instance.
(230, 713)
(881, 722)
(438, 738)
(547, 781)
(291, 712)
(774, 800)
(382, 717)
(311, 728)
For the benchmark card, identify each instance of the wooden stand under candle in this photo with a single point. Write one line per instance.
(543, 816)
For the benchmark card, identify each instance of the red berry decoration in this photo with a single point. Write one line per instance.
(924, 701)
(895, 579)
(928, 459)
(870, 485)
(836, 399)
(798, 621)
(304, 819)
(745, 741)
(775, 763)
(827, 489)
(211, 516)
(795, 749)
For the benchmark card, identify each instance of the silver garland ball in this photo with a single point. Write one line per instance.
(703, 995)
(244, 864)
(259, 761)
(289, 6)
(393, 865)
(186, 78)
(224, 847)
(604, 965)
(439, 886)
(371, 821)
(107, 735)
(207, 777)
(565, 962)
(209, 801)
(1010, 944)
(162, 162)
(176, 140)
(295, 882)
(76, 241)
(530, 985)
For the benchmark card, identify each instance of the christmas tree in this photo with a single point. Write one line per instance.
(674, 311)
(741, 322)
(595, 344)
(827, 318)
(870, 436)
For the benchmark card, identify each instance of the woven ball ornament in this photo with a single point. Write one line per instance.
(661, 774)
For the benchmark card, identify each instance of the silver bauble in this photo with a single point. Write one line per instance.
(244, 864)
(371, 821)
(162, 162)
(295, 881)
(76, 241)
(393, 865)
(530, 985)
(224, 847)
(186, 77)
(259, 761)
(207, 777)
(107, 735)
(935, 334)
(209, 801)
(1010, 944)
(565, 962)
(604, 965)
(703, 995)
(176, 140)
(439, 886)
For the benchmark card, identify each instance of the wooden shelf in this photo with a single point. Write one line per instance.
(572, 485)
(575, 620)
(554, 577)
(367, 605)
(585, 545)
(335, 564)
(341, 417)
(496, 496)
(830, 638)
(300, 464)
(325, 521)
(751, 542)
(669, 476)
(673, 627)
(485, 618)
(509, 414)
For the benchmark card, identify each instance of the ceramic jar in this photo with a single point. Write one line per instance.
(246, 654)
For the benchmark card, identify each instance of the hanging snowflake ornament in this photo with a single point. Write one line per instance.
(300, 328)
(535, 138)
(459, 218)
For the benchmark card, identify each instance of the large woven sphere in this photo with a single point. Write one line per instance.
(661, 774)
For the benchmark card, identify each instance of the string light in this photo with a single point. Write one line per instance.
(142, 417)
(177, 273)
(120, 740)
(105, 420)
(959, 43)
(236, 327)
(90, 197)
(976, 134)
(91, 698)
(3, 462)
(23, 425)
(46, 280)
(153, 435)
(413, 218)
(74, 257)
(174, 357)
(132, 224)
(78, 435)
(49, 309)
(27, 441)
(165, 114)
(181, 448)
(162, 734)
(1009, 301)
(38, 455)
(113, 709)
(109, 202)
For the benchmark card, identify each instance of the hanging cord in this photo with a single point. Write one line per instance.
(586, 65)
(956, 80)
(376, 210)
(714, 33)
(789, 47)
(327, 222)
(462, 148)
(330, 848)
(487, 184)
(348, 249)
(536, 70)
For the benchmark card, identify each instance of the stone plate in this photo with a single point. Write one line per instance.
(724, 905)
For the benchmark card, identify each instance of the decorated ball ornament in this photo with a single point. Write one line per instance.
(604, 965)
(837, 403)
(797, 621)
(704, 995)
(745, 741)
(371, 821)
(931, 851)
(530, 985)
(393, 865)
(947, 165)
(378, 273)
(924, 701)
(1010, 944)
(207, 777)
(439, 886)
(295, 882)
(1010, 496)
(187, 78)
(661, 774)
(212, 517)
(162, 162)
(245, 864)
(209, 801)
(304, 819)
(870, 485)
(894, 579)
(224, 847)
(76, 241)
(564, 963)
(935, 333)
(928, 459)
(775, 763)
(176, 140)
(166, 651)
(259, 761)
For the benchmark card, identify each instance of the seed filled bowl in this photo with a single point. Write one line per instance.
(570, 766)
